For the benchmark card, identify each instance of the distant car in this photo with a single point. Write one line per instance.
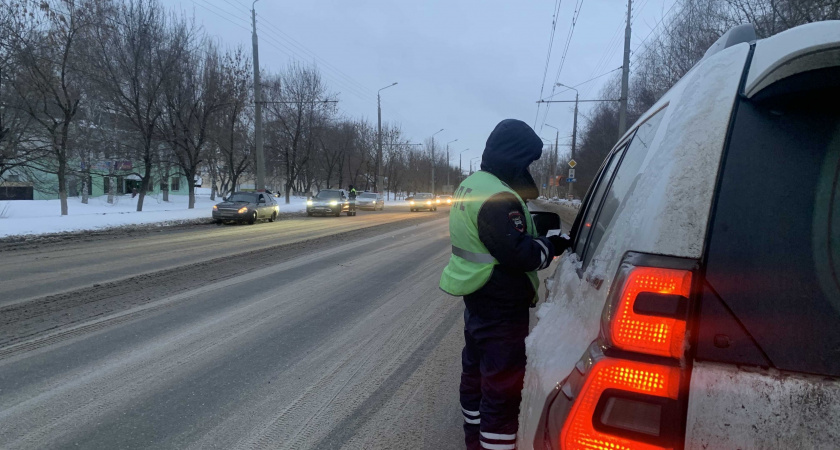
(246, 207)
(423, 200)
(444, 200)
(329, 201)
(370, 200)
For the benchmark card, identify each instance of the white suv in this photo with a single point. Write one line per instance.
(700, 304)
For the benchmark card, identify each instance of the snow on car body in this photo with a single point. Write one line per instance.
(651, 206)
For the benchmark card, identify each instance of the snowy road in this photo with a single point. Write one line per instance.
(343, 341)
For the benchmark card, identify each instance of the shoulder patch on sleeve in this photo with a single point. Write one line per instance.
(517, 220)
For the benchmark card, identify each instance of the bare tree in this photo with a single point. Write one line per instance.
(231, 135)
(193, 97)
(48, 88)
(297, 114)
(133, 56)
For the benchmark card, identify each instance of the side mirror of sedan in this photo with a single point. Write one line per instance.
(545, 221)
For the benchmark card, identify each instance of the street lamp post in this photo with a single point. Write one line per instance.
(447, 161)
(378, 169)
(553, 159)
(433, 160)
(460, 169)
(471, 160)
(574, 133)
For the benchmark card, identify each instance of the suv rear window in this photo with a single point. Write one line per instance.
(774, 252)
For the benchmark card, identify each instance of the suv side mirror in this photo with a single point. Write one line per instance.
(545, 221)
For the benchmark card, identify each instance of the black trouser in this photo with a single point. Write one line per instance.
(493, 363)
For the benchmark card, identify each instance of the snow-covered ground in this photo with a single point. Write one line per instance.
(33, 217)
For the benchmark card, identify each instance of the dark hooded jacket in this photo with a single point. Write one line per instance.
(502, 226)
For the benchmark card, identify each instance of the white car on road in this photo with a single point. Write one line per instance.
(700, 304)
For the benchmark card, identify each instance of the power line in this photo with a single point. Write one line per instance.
(582, 83)
(662, 19)
(548, 55)
(575, 15)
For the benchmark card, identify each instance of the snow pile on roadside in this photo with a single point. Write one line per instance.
(35, 217)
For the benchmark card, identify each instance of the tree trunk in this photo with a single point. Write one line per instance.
(144, 184)
(213, 181)
(288, 192)
(62, 184)
(191, 187)
(165, 184)
(112, 187)
(85, 180)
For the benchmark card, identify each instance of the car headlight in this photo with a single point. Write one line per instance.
(215, 207)
(334, 203)
(243, 210)
(449, 201)
(429, 202)
(411, 202)
(309, 203)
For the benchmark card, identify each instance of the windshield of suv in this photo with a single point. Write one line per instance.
(780, 186)
(328, 195)
(243, 197)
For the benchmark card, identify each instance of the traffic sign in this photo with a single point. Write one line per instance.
(571, 180)
(572, 163)
(571, 173)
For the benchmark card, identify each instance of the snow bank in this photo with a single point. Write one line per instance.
(35, 217)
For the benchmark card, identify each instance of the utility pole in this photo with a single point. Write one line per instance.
(378, 169)
(471, 160)
(574, 132)
(433, 161)
(553, 158)
(574, 142)
(460, 167)
(447, 162)
(625, 76)
(258, 130)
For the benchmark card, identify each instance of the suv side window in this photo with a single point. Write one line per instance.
(595, 200)
(624, 181)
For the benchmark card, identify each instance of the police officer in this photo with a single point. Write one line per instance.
(495, 257)
(351, 194)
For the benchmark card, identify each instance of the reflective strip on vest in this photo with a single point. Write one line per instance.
(480, 258)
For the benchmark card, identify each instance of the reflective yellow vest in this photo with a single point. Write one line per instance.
(471, 264)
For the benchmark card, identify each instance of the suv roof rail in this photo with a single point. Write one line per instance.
(736, 35)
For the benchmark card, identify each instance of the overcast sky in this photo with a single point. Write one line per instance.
(461, 65)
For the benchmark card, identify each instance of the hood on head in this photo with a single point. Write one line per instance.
(511, 148)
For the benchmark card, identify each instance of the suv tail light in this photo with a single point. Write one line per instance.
(649, 314)
(625, 391)
(623, 405)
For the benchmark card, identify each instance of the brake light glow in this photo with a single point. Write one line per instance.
(651, 334)
(579, 430)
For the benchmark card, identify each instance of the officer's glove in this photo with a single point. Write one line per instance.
(560, 243)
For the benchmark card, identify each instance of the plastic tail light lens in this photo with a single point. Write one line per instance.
(609, 374)
(650, 334)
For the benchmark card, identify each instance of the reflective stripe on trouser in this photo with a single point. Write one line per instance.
(497, 441)
(493, 363)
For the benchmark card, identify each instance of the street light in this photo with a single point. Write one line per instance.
(447, 161)
(378, 169)
(574, 131)
(433, 160)
(471, 160)
(460, 170)
(552, 163)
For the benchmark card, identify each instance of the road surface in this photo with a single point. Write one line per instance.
(321, 333)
